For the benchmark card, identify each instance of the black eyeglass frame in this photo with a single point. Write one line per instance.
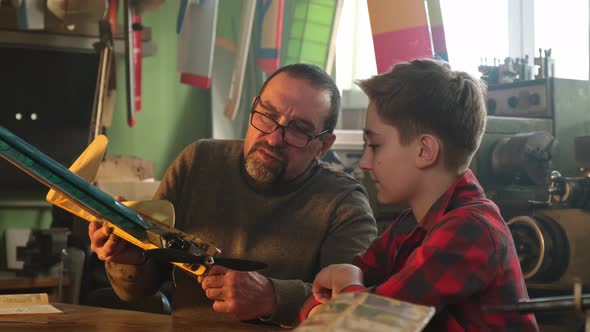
(278, 125)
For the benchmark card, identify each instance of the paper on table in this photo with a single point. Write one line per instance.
(367, 312)
(26, 304)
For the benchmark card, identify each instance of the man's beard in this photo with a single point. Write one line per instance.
(264, 172)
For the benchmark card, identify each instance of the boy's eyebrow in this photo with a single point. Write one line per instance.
(369, 132)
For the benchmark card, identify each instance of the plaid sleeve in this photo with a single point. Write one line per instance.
(374, 261)
(456, 260)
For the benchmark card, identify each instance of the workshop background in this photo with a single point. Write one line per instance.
(185, 70)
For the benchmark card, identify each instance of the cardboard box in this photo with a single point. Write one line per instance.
(130, 190)
(129, 177)
(125, 168)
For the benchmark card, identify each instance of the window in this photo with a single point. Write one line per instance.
(355, 55)
(497, 29)
(563, 27)
(475, 30)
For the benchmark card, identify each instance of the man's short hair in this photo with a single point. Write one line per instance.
(317, 77)
(427, 96)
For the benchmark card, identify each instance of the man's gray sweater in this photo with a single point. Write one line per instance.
(323, 217)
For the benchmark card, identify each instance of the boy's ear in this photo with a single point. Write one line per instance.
(429, 151)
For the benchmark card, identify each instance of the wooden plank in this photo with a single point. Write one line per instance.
(270, 30)
(237, 82)
(400, 30)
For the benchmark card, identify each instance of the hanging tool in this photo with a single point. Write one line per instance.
(129, 56)
(137, 55)
(106, 63)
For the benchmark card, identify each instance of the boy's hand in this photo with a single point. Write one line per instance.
(315, 310)
(332, 279)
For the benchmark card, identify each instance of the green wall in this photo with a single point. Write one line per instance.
(173, 115)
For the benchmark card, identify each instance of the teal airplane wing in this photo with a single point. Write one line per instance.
(57, 177)
(159, 241)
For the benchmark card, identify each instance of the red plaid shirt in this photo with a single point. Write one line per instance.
(459, 259)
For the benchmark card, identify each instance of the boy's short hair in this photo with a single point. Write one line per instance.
(427, 96)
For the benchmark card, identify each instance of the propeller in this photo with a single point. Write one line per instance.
(181, 256)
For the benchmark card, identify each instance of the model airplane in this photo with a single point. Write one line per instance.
(146, 224)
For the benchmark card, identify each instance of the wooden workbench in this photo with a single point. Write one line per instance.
(84, 318)
(10, 283)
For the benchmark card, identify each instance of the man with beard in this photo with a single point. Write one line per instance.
(267, 198)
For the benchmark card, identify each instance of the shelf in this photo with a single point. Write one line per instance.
(24, 205)
(73, 42)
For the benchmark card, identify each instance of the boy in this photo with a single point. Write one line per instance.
(451, 249)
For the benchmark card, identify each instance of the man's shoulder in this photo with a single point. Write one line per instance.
(208, 146)
(330, 172)
(213, 143)
(335, 178)
(208, 152)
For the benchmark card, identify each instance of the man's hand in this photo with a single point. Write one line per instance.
(247, 295)
(332, 279)
(111, 248)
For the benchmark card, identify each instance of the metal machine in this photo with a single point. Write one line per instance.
(553, 240)
(530, 131)
(533, 128)
(44, 250)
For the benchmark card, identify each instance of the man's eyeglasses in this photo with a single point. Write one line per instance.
(291, 136)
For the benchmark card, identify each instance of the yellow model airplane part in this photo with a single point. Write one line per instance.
(159, 214)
